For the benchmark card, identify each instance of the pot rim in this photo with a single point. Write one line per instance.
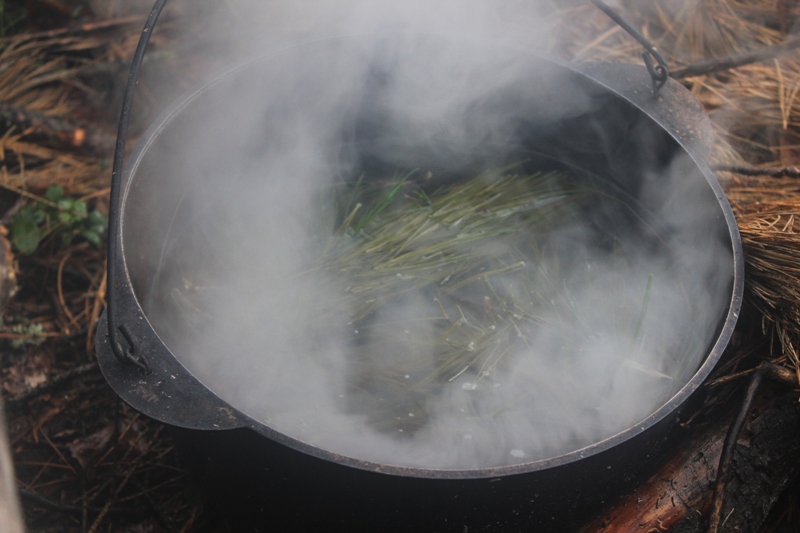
(125, 292)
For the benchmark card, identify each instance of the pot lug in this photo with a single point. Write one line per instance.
(168, 394)
(675, 109)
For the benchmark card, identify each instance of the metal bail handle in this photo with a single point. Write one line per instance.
(131, 355)
(659, 73)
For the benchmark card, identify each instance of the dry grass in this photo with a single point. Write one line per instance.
(38, 76)
(753, 108)
(83, 460)
(770, 234)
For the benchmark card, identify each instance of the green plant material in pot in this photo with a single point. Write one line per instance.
(474, 250)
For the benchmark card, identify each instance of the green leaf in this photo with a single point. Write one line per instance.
(97, 222)
(66, 218)
(25, 231)
(54, 193)
(79, 209)
(69, 219)
(32, 212)
(383, 203)
(96, 218)
(92, 236)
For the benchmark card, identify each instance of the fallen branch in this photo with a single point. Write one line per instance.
(726, 63)
(786, 172)
(70, 131)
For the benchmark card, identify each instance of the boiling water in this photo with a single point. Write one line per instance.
(539, 318)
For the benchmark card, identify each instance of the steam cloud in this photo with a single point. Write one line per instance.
(229, 286)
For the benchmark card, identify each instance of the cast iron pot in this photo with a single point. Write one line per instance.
(615, 134)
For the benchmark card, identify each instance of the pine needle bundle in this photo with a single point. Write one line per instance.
(441, 283)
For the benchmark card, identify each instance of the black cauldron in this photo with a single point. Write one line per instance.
(599, 121)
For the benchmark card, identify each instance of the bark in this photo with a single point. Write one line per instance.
(678, 496)
(786, 172)
(765, 461)
(10, 516)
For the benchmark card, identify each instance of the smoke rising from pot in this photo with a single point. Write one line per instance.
(235, 287)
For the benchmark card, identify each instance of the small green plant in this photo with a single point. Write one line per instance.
(66, 218)
(29, 335)
(25, 333)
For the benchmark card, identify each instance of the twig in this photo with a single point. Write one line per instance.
(786, 172)
(70, 131)
(53, 267)
(128, 476)
(726, 63)
(187, 526)
(122, 434)
(107, 507)
(74, 509)
(162, 520)
(97, 304)
(58, 452)
(72, 336)
(44, 334)
(62, 322)
(86, 27)
(767, 370)
(729, 377)
(60, 292)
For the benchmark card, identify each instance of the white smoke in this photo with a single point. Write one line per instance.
(263, 327)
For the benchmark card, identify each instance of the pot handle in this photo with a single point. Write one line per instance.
(659, 74)
(676, 109)
(115, 329)
(161, 389)
(169, 393)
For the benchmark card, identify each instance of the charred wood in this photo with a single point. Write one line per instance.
(678, 497)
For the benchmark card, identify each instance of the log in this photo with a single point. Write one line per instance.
(10, 516)
(8, 270)
(766, 460)
(678, 496)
